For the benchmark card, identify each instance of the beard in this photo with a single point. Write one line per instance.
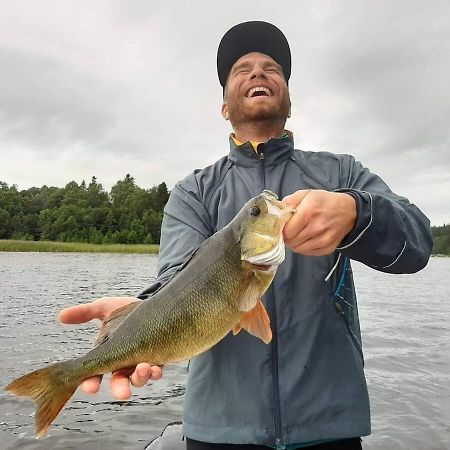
(240, 113)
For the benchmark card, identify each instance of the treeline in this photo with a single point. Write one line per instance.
(441, 240)
(83, 212)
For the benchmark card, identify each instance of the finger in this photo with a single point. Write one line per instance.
(297, 226)
(317, 252)
(314, 232)
(157, 372)
(141, 375)
(301, 237)
(293, 200)
(120, 384)
(315, 247)
(91, 385)
(79, 313)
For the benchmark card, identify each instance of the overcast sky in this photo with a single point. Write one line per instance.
(107, 88)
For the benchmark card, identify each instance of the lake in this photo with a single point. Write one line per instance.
(405, 321)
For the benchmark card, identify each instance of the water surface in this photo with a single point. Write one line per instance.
(405, 327)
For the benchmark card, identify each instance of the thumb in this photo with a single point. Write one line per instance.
(78, 314)
(293, 200)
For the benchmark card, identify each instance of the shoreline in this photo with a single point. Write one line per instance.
(10, 245)
(75, 247)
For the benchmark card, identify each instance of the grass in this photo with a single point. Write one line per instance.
(50, 246)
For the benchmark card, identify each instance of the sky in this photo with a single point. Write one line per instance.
(107, 88)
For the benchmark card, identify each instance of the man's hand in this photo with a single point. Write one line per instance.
(121, 379)
(321, 222)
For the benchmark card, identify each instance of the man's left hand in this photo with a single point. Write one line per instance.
(321, 222)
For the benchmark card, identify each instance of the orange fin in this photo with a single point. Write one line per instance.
(256, 322)
(112, 322)
(47, 388)
(236, 329)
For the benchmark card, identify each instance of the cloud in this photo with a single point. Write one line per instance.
(131, 87)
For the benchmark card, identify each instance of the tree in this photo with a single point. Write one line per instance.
(83, 212)
(6, 228)
(122, 191)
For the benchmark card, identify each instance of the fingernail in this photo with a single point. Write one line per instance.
(142, 372)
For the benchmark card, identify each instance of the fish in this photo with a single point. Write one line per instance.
(217, 290)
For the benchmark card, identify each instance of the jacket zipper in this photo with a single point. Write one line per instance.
(275, 381)
(275, 386)
(262, 159)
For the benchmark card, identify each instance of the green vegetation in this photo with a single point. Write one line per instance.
(441, 238)
(77, 216)
(48, 246)
(83, 213)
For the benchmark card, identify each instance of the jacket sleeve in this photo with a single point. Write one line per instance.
(391, 234)
(185, 226)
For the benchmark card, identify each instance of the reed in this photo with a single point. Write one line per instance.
(81, 247)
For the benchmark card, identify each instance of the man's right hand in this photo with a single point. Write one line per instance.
(121, 380)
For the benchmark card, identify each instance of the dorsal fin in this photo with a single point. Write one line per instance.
(112, 322)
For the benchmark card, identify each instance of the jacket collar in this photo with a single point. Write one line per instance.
(273, 152)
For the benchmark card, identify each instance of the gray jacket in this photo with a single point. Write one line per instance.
(308, 384)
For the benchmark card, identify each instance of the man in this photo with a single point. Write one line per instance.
(307, 388)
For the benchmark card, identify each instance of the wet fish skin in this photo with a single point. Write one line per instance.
(218, 290)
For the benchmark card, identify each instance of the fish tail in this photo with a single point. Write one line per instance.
(50, 391)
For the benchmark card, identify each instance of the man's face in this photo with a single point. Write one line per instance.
(256, 91)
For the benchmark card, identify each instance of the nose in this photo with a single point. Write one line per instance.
(257, 72)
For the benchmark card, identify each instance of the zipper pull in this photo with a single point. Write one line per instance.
(261, 156)
(279, 445)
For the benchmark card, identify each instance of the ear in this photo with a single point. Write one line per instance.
(225, 112)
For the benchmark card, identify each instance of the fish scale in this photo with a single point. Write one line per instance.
(218, 290)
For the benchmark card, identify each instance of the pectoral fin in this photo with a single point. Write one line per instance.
(250, 293)
(113, 321)
(256, 322)
(255, 285)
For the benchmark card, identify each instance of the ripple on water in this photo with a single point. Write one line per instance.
(404, 321)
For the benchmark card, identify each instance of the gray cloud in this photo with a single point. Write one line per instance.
(46, 103)
(131, 87)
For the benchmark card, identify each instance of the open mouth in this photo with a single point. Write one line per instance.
(259, 91)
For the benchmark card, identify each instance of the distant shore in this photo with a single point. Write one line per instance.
(10, 245)
(51, 246)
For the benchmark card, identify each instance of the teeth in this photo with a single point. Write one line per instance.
(259, 89)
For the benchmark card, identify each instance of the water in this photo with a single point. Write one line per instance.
(406, 335)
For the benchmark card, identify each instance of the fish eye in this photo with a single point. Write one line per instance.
(255, 211)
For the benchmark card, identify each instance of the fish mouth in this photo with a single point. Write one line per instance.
(277, 207)
(274, 257)
(270, 259)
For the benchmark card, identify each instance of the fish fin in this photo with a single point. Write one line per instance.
(236, 329)
(249, 295)
(254, 286)
(112, 322)
(50, 393)
(256, 322)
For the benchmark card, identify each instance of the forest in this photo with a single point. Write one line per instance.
(83, 212)
(128, 214)
(441, 240)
